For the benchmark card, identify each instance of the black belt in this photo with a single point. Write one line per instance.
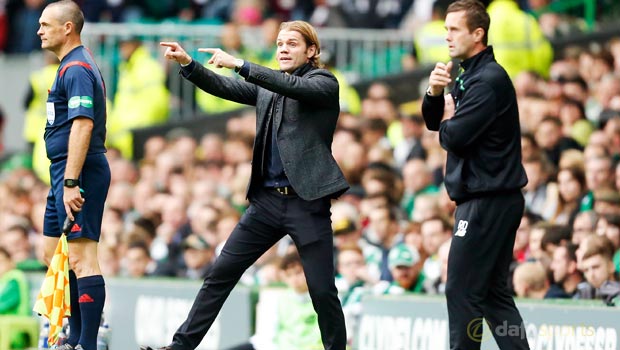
(285, 190)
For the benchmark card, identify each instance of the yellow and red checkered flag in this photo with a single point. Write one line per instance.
(54, 301)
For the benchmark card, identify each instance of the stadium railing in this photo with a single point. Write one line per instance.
(361, 54)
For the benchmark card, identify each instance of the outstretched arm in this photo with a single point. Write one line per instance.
(175, 52)
(225, 87)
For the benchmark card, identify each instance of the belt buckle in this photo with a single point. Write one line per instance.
(282, 190)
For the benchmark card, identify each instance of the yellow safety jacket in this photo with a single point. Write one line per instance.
(212, 104)
(518, 42)
(431, 45)
(141, 100)
(36, 119)
(36, 114)
(349, 99)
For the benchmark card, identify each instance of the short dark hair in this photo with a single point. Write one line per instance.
(571, 251)
(140, 245)
(290, 260)
(71, 12)
(446, 225)
(23, 230)
(476, 16)
(555, 234)
(599, 245)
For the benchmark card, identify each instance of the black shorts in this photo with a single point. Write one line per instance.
(95, 181)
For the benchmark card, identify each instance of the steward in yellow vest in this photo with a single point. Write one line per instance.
(36, 114)
(141, 98)
(518, 42)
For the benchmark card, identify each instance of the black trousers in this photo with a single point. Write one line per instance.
(477, 286)
(269, 217)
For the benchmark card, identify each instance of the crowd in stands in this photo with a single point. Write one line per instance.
(19, 17)
(169, 212)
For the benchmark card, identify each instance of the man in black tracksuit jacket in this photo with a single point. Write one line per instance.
(478, 125)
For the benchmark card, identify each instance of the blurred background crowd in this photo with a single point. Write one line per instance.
(175, 196)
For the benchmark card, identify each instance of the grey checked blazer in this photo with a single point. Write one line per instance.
(305, 109)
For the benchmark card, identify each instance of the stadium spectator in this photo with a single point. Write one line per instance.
(197, 257)
(608, 225)
(571, 190)
(216, 11)
(14, 294)
(405, 266)
(23, 17)
(598, 268)
(374, 14)
(435, 231)
(381, 178)
(378, 104)
(137, 262)
(346, 225)
(384, 233)
(141, 98)
(430, 40)
(518, 42)
(352, 272)
(410, 147)
(584, 225)
(611, 129)
(353, 281)
(537, 251)
(417, 181)
(351, 155)
(599, 173)
(232, 43)
(567, 278)
(16, 240)
(550, 139)
(426, 206)
(109, 259)
(530, 280)
(541, 195)
(574, 122)
(439, 287)
(296, 322)
(326, 14)
(521, 251)
(40, 81)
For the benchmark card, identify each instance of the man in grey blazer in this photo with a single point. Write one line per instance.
(294, 176)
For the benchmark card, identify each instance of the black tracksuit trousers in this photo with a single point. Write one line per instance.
(477, 286)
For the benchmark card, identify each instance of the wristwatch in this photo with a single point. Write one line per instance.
(238, 64)
(72, 183)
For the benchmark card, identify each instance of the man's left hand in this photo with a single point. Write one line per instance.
(220, 58)
(73, 201)
(448, 109)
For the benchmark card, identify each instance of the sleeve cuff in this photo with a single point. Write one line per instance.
(245, 69)
(433, 99)
(187, 70)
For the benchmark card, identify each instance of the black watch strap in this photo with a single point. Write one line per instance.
(72, 183)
